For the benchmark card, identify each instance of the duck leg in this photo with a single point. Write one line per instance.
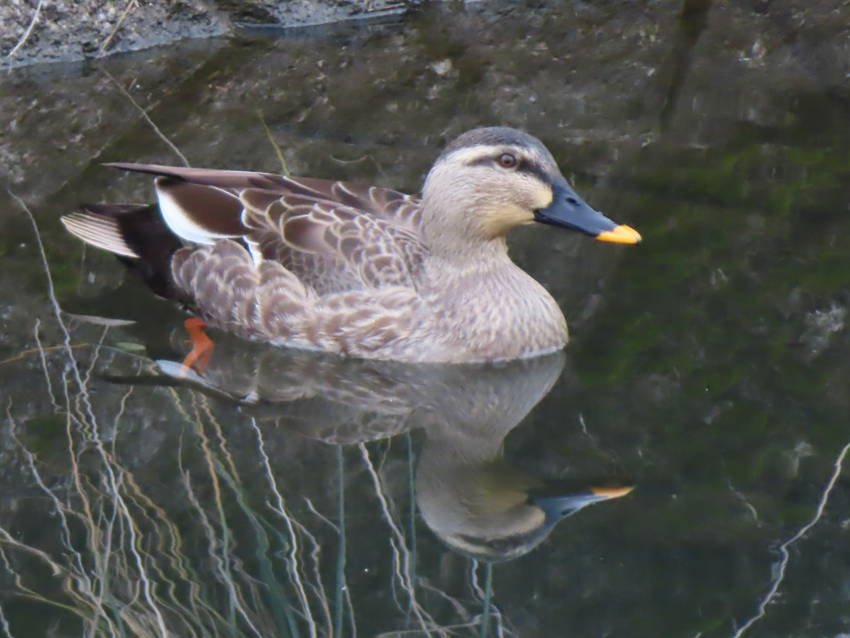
(202, 347)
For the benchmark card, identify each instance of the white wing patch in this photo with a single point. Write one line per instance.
(181, 223)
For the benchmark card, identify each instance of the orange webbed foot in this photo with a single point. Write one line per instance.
(202, 347)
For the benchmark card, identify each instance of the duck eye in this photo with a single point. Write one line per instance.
(506, 160)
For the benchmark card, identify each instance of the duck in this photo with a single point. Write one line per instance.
(360, 271)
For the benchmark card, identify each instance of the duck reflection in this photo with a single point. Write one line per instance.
(473, 499)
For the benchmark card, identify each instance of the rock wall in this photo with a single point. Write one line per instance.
(35, 31)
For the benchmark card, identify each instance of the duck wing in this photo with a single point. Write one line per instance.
(334, 236)
(329, 245)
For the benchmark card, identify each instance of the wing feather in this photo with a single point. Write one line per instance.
(334, 236)
(382, 202)
(367, 251)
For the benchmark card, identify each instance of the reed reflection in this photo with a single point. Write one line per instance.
(201, 504)
(476, 502)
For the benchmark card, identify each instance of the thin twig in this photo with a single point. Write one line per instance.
(132, 4)
(51, 291)
(275, 145)
(25, 353)
(145, 115)
(4, 624)
(44, 365)
(401, 554)
(28, 32)
(783, 548)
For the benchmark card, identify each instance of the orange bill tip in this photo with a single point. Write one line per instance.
(612, 492)
(620, 235)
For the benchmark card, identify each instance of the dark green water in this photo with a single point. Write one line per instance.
(303, 496)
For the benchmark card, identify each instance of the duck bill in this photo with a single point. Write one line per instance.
(557, 507)
(568, 210)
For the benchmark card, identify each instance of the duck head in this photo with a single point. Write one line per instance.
(500, 513)
(490, 180)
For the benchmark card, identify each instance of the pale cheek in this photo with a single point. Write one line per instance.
(526, 217)
(527, 195)
(500, 221)
(541, 198)
(530, 194)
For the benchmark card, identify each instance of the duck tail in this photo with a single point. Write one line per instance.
(136, 234)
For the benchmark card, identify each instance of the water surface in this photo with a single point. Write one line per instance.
(286, 494)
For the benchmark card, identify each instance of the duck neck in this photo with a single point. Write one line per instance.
(453, 222)
(461, 253)
(490, 308)
(463, 267)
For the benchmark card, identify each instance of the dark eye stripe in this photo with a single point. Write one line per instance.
(533, 168)
(524, 166)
